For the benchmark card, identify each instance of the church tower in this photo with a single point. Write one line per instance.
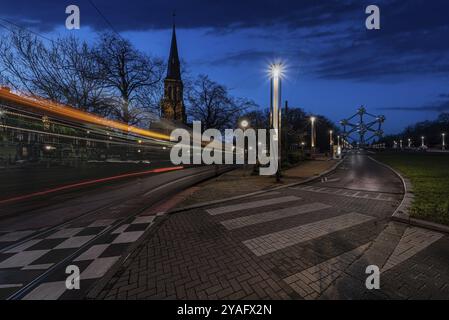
(173, 108)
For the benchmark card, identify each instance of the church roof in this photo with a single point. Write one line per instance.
(174, 66)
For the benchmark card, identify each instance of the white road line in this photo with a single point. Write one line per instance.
(273, 215)
(127, 237)
(24, 246)
(279, 240)
(93, 252)
(38, 266)
(12, 285)
(15, 236)
(98, 268)
(413, 241)
(310, 283)
(47, 291)
(65, 233)
(251, 205)
(74, 242)
(22, 259)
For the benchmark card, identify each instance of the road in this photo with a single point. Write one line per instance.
(90, 227)
(312, 241)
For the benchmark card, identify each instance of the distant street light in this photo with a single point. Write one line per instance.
(312, 128)
(244, 124)
(422, 142)
(400, 144)
(443, 135)
(409, 142)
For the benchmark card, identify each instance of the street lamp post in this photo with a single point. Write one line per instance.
(331, 140)
(409, 143)
(276, 73)
(312, 129)
(443, 136)
(422, 142)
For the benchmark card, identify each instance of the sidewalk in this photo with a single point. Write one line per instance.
(244, 181)
(311, 241)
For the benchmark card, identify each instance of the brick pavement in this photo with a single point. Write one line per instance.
(266, 250)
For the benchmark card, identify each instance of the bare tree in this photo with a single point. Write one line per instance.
(211, 103)
(131, 77)
(61, 71)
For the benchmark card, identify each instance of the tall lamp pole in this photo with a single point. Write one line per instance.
(331, 139)
(276, 73)
(312, 128)
(443, 135)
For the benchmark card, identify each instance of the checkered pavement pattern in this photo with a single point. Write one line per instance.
(106, 240)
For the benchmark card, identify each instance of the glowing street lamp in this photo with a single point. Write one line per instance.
(276, 75)
(409, 142)
(312, 128)
(244, 124)
(422, 142)
(443, 136)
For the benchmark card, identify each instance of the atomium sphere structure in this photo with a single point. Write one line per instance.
(367, 128)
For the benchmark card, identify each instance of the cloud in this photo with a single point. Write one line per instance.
(440, 106)
(328, 37)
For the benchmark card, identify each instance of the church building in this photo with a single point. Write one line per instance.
(173, 108)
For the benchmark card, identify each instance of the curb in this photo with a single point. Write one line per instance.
(209, 203)
(402, 214)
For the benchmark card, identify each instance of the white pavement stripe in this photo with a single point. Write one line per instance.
(102, 223)
(413, 241)
(47, 291)
(24, 246)
(127, 237)
(93, 253)
(74, 242)
(310, 283)
(120, 229)
(65, 233)
(12, 285)
(143, 219)
(348, 193)
(279, 240)
(38, 266)
(22, 259)
(273, 215)
(251, 205)
(266, 194)
(98, 268)
(15, 236)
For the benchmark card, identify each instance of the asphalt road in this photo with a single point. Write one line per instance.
(40, 237)
(312, 241)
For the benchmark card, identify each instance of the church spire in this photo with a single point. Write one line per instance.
(174, 66)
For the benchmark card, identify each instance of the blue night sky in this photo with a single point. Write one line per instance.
(334, 64)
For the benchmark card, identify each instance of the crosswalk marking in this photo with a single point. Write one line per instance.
(272, 215)
(310, 283)
(346, 193)
(251, 205)
(279, 240)
(412, 242)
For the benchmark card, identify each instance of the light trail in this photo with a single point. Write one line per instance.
(65, 111)
(89, 182)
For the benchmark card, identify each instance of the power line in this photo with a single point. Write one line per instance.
(105, 19)
(23, 28)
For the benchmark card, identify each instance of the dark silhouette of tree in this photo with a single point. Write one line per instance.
(132, 78)
(211, 103)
